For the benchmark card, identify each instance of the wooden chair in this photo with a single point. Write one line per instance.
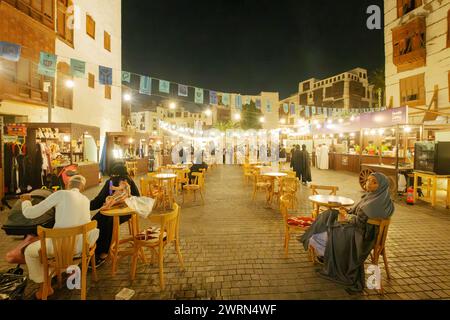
(131, 167)
(292, 223)
(260, 183)
(158, 238)
(248, 175)
(379, 247)
(289, 186)
(332, 191)
(182, 179)
(197, 185)
(64, 242)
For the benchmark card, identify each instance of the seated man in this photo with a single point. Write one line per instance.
(71, 210)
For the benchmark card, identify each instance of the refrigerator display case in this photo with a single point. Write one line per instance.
(432, 157)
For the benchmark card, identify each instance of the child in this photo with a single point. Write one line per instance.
(122, 192)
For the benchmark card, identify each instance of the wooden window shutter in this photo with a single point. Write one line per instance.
(448, 29)
(108, 92)
(91, 80)
(107, 41)
(90, 26)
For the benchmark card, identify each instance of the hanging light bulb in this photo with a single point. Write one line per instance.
(352, 134)
(237, 116)
(70, 84)
(407, 129)
(172, 106)
(341, 135)
(283, 121)
(329, 121)
(352, 118)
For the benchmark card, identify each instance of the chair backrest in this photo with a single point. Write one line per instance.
(144, 186)
(199, 178)
(381, 236)
(169, 224)
(285, 201)
(64, 242)
(289, 184)
(333, 189)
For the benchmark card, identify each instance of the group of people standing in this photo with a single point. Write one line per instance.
(300, 163)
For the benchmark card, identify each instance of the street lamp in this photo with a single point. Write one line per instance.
(237, 117)
(262, 120)
(127, 97)
(172, 105)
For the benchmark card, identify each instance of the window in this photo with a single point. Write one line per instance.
(406, 6)
(90, 26)
(64, 94)
(63, 20)
(412, 91)
(409, 44)
(107, 92)
(91, 80)
(107, 41)
(40, 10)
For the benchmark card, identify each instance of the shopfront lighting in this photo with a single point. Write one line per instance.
(352, 118)
(407, 129)
(130, 140)
(70, 84)
(127, 97)
(158, 142)
(329, 121)
(323, 136)
(172, 106)
(341, 135)
(208, 112)
(318, 126)
(373, 132)
(331, 136)
(340, 120)
(380, 132)
(283, 121)
(352, 134)
(262, 120)
(66, 139)
(237, 116)
(316, 121)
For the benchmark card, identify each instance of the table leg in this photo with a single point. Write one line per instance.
(416, 178)
(433, 196)
(115, 244)
(428, 187)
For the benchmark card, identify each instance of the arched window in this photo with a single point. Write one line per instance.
(64, 92)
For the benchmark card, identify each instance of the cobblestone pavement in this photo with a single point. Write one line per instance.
(233, 249)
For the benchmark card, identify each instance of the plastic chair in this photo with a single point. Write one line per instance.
(64, 242)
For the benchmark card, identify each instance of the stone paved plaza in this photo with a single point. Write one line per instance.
(233, 249)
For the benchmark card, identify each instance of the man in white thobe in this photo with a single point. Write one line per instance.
(324, 157)
(318, 151)
(71, 210)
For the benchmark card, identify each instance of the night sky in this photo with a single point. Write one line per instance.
(248, 46)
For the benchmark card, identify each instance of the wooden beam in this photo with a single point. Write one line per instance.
(431, 115)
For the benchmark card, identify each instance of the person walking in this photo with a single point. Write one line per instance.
(296, 162)
(305, 166)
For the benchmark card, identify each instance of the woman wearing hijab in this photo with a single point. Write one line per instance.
(344, 243)
(104, 223)
(305, 167)
(296, 162)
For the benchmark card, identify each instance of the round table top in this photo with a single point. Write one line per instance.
(331, 201)
(163, 176)
(275, 174)
(123, 210)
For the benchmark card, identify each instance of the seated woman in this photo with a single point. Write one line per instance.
(344, 242)
(104, 223)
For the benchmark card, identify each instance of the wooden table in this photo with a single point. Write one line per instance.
(329, 201)
(273, 176)
(166, 183)
(114, 253)
(431, 187)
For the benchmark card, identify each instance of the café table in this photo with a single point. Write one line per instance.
(114, 252)
(273, 176)
(167, 184)
(330, 202)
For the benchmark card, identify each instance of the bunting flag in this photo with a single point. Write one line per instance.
(313, 110)
(77, 68)
(10, 51)
(126, 76)
(105, 75)
(285, 107)
(307, 114)
(226, 99)
(198, 95)
(182, 90)
(238, 101)
(47, 64)
(268, 106)
(292, 108)
(164, 86)
(258, 103)
(213, 97)
(145, 85)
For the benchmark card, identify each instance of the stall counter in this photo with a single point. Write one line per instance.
(352, 162)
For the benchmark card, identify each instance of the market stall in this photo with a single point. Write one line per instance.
(132, 148)
(51, 147)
